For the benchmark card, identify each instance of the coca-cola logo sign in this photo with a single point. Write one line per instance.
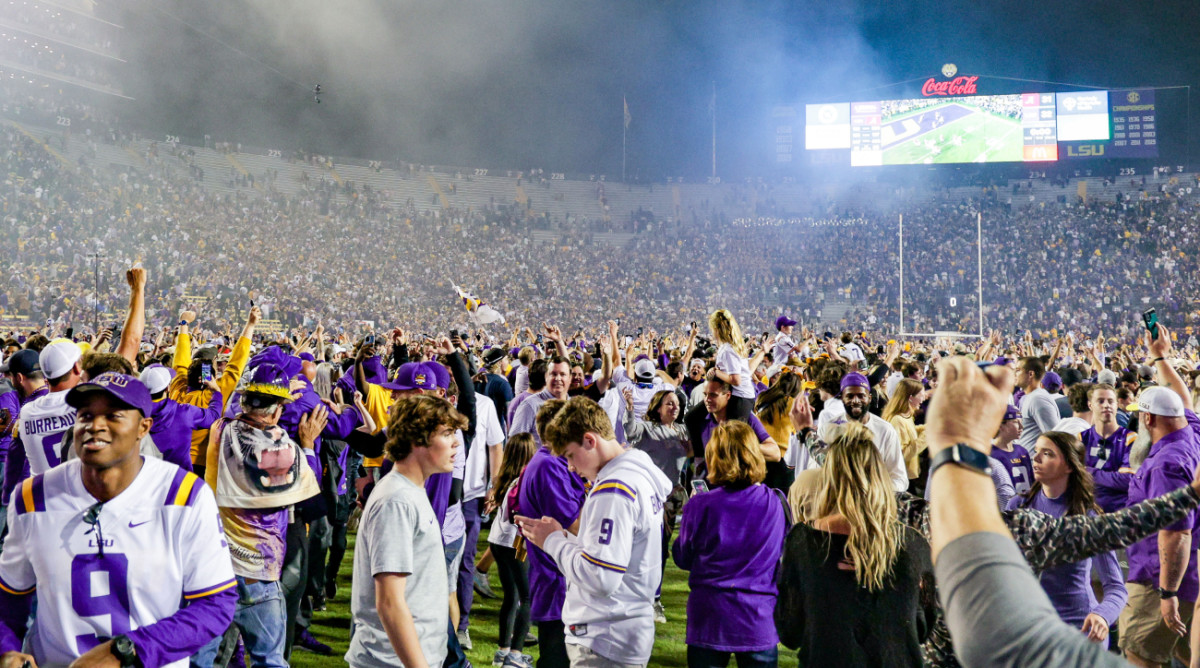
(955, 86)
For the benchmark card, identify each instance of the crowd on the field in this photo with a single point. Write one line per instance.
(792, 474)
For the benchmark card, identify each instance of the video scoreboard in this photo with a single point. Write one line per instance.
(949, 129)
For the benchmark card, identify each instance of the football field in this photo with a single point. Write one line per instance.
(951, 133)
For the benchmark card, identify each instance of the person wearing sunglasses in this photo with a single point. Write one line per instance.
(118, 544)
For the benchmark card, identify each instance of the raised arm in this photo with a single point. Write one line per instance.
(1168, 376)
(135, 320)
(554, 334)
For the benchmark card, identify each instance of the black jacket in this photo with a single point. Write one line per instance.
(823, 612)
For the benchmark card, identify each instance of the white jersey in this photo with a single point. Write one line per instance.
(614, 565)
(162, 546)
(44, 422)
(642, 392)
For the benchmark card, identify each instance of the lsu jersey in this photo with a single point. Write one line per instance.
(101, 570)
(44, 423)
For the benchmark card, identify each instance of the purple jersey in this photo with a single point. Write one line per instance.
(1105, 457)
(1019, 466)
(548, 489)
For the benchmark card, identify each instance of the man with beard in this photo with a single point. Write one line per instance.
(1163, 584)
(856, 398)
(1107, 448)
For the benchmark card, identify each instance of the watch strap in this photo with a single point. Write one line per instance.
(963, 455)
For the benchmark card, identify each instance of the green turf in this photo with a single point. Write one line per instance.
(975, 130)
(333, 625)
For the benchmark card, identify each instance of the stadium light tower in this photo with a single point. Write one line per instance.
(95, 257)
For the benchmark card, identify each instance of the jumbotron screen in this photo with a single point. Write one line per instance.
(1023, 127)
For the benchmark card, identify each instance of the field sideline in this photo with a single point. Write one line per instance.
(333, 626)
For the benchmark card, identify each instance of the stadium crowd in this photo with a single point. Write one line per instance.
(1042, 268)
(805, 479)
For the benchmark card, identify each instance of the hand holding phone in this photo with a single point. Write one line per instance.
(1150, 318)
(699, 485)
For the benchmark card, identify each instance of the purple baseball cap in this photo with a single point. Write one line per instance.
(1011, 413)
(125, 389)
(440, 374)
(1001, 361)
(853, 379)
(411, 376)
(1052, 381)
(783, 321)
(307, 357)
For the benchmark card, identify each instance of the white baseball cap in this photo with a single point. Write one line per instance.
(643, 369)
(58, 357)
(1160, 401)
(156, 379)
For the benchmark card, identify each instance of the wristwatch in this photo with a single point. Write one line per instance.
(963, 455)
(125, 651)
(1167, 593)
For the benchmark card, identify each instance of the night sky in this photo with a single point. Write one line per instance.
(527, 83)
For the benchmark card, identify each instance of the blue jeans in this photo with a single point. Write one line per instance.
(262, 619)
(700, 657)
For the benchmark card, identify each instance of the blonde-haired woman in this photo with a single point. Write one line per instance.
(856, 588)
(730, 539)
(899, 411)
(731, 363)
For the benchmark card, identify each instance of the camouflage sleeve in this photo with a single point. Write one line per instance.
(1048, 541)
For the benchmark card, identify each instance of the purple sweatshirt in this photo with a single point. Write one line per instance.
(731, 541)
(548, 489)
(173, 425)
(1070, 586)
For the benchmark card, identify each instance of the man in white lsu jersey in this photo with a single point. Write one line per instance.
(112, 544)
(614, 565)
(46, 419)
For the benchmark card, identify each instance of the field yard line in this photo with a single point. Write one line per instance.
(984, 155)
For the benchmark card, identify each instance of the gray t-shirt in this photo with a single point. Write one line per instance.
(1039, 414)
(399, 534)
(998, 613)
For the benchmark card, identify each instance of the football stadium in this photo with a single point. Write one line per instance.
(598, 335)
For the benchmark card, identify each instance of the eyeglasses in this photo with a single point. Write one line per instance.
(92, 519)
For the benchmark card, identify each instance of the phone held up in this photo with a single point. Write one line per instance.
(1151, 319)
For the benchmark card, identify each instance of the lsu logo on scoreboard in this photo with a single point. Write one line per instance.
(1085, 151)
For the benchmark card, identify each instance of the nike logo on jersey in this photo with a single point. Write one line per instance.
(132, 525)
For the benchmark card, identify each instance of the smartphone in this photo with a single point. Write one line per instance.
(699, 485)
(206, 372)
(454, 333)
(1151, 319)
(639, 331)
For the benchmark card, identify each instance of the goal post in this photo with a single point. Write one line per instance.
(950, 300)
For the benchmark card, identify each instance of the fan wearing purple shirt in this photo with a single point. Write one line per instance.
(730, 540)
(1162, 580)
(718, 402)
(1062, 486)
(1107, 448)
(549, 489)
(1008, 452)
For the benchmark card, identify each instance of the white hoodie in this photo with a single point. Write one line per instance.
(614, 565)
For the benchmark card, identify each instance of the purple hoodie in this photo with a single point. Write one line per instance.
(173, 426)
